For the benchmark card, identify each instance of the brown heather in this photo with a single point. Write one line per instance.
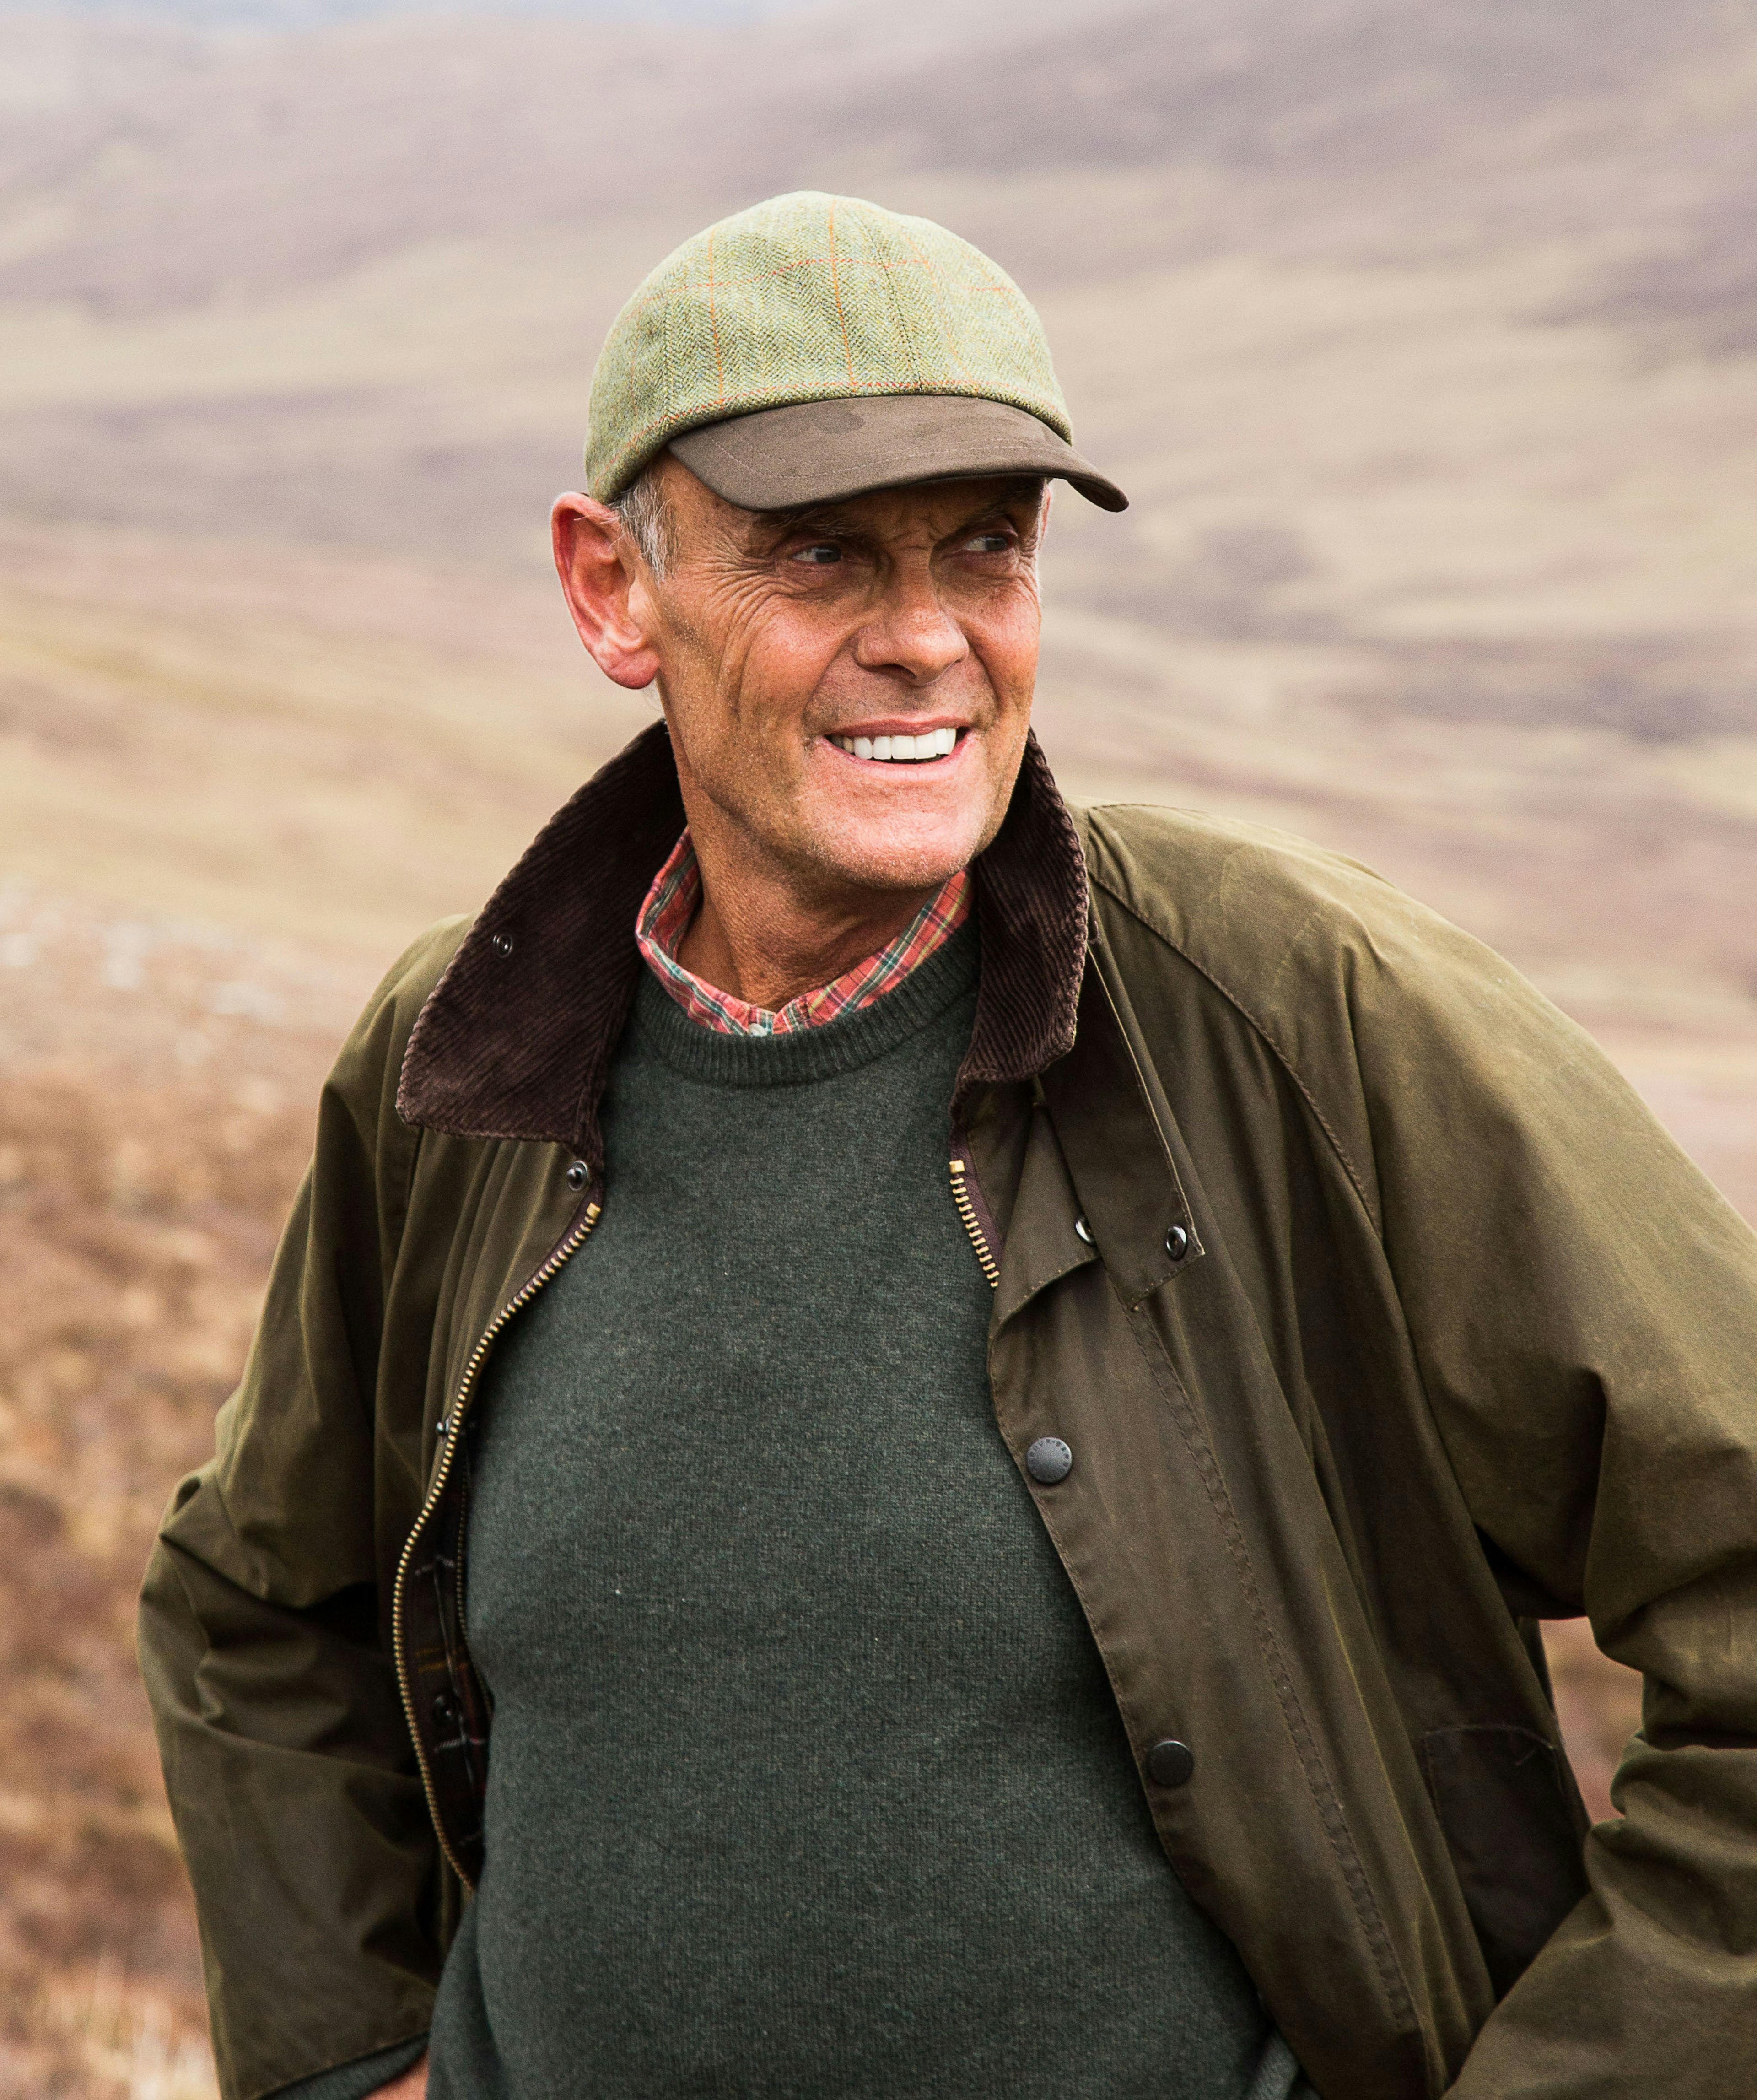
(135, 1223)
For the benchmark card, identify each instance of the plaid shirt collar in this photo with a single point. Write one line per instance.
(671, 903)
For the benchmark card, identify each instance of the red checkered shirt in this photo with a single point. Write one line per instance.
(670, 904)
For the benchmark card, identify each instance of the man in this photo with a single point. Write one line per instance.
(909, 1443)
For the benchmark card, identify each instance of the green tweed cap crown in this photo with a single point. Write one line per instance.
(809, 297)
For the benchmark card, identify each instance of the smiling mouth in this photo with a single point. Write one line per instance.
(905, 750)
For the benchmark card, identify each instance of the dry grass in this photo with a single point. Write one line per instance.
(334, 752)
(141, 1191)
(92, 2034)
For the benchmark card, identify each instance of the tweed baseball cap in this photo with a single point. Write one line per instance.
(814, 347)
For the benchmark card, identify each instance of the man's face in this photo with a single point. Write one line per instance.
(796, 648)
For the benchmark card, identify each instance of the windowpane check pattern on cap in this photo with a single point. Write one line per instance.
(671, 904)
(810, 297)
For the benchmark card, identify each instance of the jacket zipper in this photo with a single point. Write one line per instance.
(567, 1247)
(966, 1209)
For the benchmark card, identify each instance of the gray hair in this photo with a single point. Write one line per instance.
(641, 511)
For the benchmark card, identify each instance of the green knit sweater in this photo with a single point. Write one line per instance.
(805, 1778)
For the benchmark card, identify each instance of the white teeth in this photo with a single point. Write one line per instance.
(930, 743)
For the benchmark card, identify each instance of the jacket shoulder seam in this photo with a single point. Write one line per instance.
(1356, 1181)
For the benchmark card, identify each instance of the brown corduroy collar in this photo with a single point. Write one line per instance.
(516, 1038)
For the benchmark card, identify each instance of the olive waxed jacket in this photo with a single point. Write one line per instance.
(1379, 1316)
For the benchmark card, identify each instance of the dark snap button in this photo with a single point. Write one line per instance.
(1049, 1460)
(1177, 1243)
(502, 945)
(444, 1709)
(578, 1174)
(1084, 1230)
(1170, 1763)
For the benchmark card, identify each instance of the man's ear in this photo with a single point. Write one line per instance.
(602, 589)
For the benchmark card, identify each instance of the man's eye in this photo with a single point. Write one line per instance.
(989, 543)
(821, 555)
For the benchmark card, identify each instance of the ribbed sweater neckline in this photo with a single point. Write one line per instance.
(850, 1040)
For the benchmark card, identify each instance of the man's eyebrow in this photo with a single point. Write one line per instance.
(1023, 490)
(836, 518)
(808, 518)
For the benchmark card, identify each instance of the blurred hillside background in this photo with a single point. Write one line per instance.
(1424, 336)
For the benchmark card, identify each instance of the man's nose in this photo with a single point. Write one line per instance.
(912, 632)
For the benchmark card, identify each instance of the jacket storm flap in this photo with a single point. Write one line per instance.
(1396, 1323)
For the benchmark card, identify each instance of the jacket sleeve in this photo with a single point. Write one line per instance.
(1583, 1306)
(263, 1628)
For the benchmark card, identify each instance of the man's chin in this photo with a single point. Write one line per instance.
(882, 842)
(891, 867)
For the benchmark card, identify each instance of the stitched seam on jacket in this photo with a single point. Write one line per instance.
(1329, 1808)
(1356, 1180)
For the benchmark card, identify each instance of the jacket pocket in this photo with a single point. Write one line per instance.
(1500, 1797)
